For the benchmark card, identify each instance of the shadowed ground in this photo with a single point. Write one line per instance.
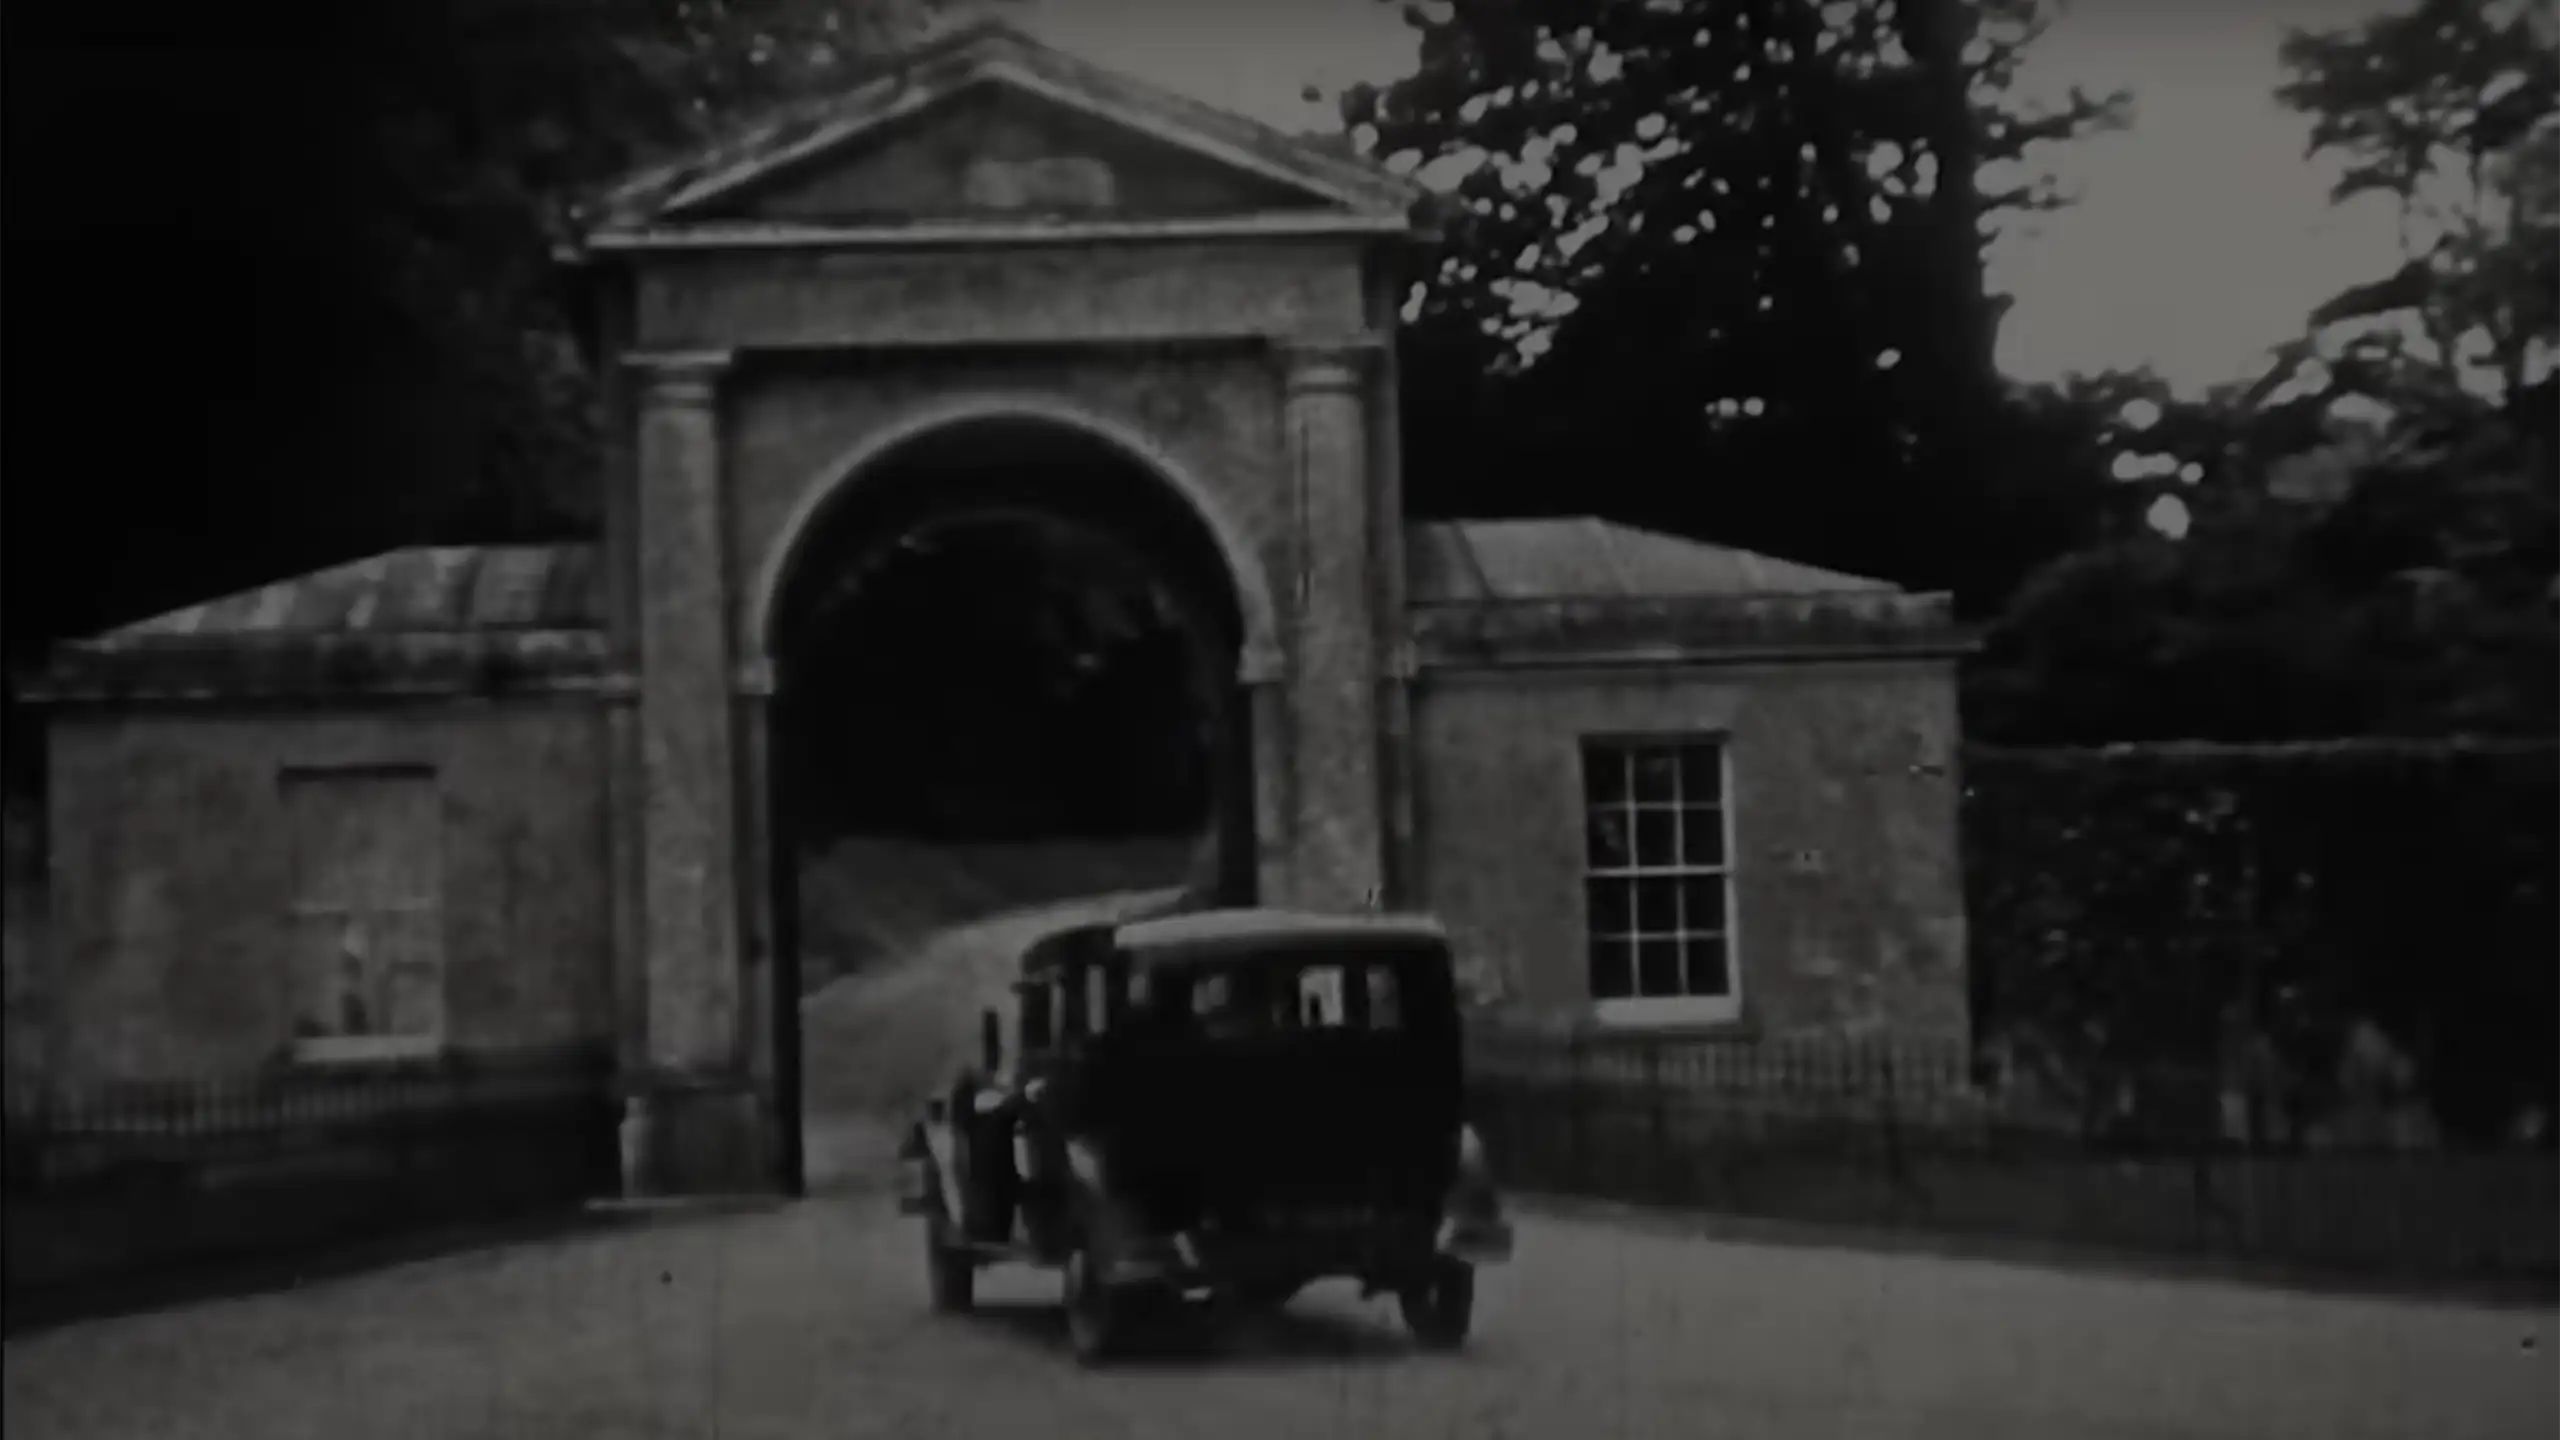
(810, 1320)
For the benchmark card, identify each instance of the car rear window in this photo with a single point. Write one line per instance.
(1263, 999)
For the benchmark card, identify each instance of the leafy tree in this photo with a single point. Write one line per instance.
(2377, 550)
(1721, 263)
(2452, 110)
(486, 119)
(287, 287)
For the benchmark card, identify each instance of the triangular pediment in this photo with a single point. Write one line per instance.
(992, 126)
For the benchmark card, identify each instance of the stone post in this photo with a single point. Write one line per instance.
(1396, 750)
(1336, 841)
(1261, 677)
(625, 787)
(698, 1099)
(757, 859)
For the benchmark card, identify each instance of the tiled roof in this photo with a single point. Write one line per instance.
(427, 621)
(467, 589)
(1584, 558)
(471, 619)
(451, 589)
(951, 63)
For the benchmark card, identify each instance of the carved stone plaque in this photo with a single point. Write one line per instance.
(1057, 182)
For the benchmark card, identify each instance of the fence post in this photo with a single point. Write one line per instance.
(1658, 1123)
(1577, 1143)
(1897, 1177)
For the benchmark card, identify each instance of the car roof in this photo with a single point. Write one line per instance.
(1219, 934)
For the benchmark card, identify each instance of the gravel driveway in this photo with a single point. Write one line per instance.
(810, 1320)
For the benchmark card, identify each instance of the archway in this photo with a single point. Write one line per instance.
(1006, 654)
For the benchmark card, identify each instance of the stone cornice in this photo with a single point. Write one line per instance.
(396, 665)
(1316, 365)
(688, 378)
(1697, 630)
(964, 235)
(1262, 664)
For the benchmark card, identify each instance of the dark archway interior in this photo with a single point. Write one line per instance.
(1001, 676)
(1006, 659)
(1008, 631)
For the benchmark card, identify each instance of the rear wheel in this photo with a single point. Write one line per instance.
(949, 1270)
(1440, 1305)
(1095, 1324)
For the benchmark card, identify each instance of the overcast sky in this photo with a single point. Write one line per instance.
(2202, 238)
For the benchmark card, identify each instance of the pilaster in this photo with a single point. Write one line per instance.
(1336, 840)
(689, 864)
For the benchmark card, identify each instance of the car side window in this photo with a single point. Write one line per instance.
(1320, 997)
(1378, 982)
(1038, 1022)
(1097, 998)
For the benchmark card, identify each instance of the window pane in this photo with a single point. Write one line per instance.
(1659, 961)
(1701, 836)
(1709, 974)
(1210, 994)
(1035, 1018)
(1657, 906)
(1606, 836)
(1702, 903)
(1604, 775)
(1702, 772)
(1383, 1012)
(1657, 838)
(1613, 906)
(1097, 1003)
(1320, 998)
(1657, 775)
(1612, 968)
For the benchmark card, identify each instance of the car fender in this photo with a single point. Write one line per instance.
(1087, 1185)
(932, 1145)
(1472, 1224)
(1473, 1177)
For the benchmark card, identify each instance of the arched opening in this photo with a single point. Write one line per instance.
(1005, 652)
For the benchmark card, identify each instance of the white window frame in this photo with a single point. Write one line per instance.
(1662, 1010)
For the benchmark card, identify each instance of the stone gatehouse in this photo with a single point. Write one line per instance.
(450, 800)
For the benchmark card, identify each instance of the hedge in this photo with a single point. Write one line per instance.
(2184, 903)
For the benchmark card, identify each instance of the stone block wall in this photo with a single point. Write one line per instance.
(172, 879)
(1848, 898)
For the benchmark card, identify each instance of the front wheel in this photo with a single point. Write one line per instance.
(1440, 1306)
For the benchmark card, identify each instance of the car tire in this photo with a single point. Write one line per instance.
(1262, 1297)
(949, 1271)
(1096, 1325)
(1440, 1306)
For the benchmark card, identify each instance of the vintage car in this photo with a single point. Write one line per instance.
(1221, 1106)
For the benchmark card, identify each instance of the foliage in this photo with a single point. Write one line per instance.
(2372, 541)
(2135, 904)
(487, 118)
(2419, 604)
(2452, 110)
(298, 299)
(1721, 263)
